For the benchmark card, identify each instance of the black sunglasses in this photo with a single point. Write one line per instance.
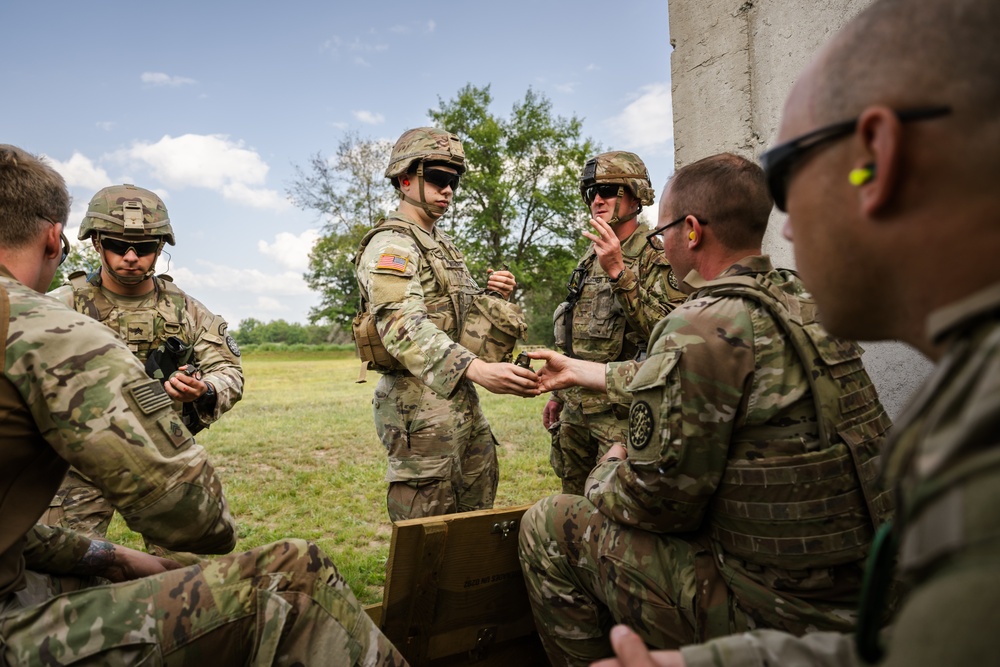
(779, 162)
(62, 235)
(606, 190)
(121, 248)
(659, 230)
(441, 178)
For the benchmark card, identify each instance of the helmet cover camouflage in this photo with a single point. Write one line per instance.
(425, 144)
(619, 167)
(126, 210)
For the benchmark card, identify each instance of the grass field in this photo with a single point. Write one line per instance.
(299, 458)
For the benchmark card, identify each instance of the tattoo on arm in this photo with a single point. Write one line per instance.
(100, 557)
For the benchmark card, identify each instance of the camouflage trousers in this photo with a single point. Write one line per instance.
(584, 573)
(582, 439)
(81, 507)
(442, 453)
(284, 603)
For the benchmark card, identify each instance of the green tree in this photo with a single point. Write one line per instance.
(518, 205)
(350, 193)
(82, 257)
(519, 202)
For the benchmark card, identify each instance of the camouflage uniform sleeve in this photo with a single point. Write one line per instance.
(618, 375)
(53, 549)
(685, 400)
(218, 357)
(648, 297)
(63, 294)
(95, 406)
(761, 648)
(396, 297)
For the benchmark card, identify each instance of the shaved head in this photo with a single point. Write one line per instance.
(909, 53)
(930, 200)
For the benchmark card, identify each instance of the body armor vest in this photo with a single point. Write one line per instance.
(819, 508)
(144, 328)
(486, 325)
(591, 324)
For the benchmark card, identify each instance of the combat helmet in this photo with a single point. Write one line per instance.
(425, 146)
(125, 211)
(623, 168)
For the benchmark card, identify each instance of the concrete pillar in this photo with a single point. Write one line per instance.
(732, 67)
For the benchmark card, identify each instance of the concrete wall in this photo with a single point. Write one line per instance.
(732, 67)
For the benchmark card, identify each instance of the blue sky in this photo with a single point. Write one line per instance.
(213, 104)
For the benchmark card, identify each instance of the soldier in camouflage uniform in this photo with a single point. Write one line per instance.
(431, 332)
(899, 182)
(747, 495)
(128, 227)
(72, 393)
(620, 289)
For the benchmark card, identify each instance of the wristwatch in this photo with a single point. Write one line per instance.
(208, 398)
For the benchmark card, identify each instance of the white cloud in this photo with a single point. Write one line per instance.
(401, 29)
(79, 171)
(244, 281)
(647, 123)
(269, 304)
(340, 125)
(358, 60)
(367, 47)
(591, 68)
(369, 117)
(106, 125)
(210, 161)
(289, 250)
(161, 79)
(567, 88)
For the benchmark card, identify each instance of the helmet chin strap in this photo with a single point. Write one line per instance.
(433, 210)
(615, 220)
(124, 280)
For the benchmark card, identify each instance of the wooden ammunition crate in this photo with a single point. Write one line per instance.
(454, 594)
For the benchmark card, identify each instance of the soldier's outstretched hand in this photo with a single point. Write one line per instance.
(502, 378)
(632, 652)
(560, 372)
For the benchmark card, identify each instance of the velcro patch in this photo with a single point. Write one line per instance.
(174, 429)
(233, 347)
(150, 396)
(390, 261)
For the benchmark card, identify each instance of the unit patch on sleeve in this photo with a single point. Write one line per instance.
(640, 425)
(394, 262)
(233, 347)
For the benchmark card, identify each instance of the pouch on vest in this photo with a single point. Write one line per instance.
(598, 323)
(492, 327)
(370, 347)
(559, 324)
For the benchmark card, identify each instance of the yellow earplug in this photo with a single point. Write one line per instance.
(861, 175)
(691, 235)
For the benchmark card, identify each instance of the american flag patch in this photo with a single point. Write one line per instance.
(394, 262)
